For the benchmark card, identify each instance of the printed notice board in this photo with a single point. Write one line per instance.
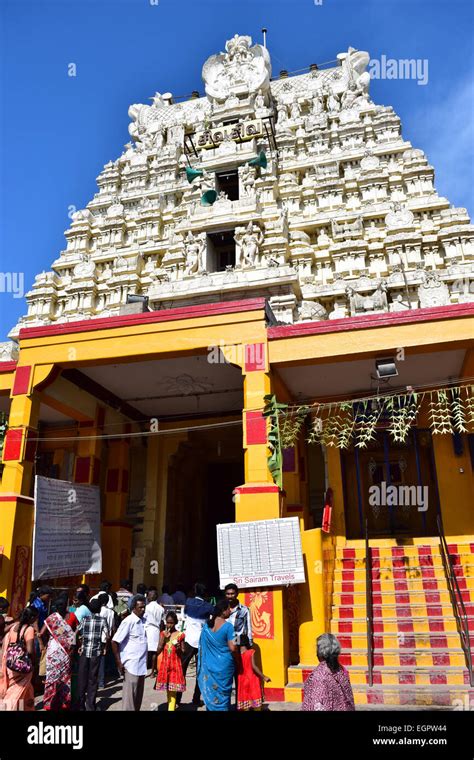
(260, 553)
(66, 537)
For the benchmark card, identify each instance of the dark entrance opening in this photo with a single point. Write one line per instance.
(221, 250)
(228, 182)
(393, 486)
(201, 478)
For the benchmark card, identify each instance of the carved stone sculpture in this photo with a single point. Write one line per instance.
(249, 243)
(194, 247)
(360, 304)
(242, 70)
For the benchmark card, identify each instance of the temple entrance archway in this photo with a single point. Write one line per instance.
(201, 478)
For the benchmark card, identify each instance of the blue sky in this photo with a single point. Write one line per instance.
(58, 131)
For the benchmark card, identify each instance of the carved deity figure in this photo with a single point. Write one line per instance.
(295, 110)
(333, 102)
(249, 244)
(194, 247)
(361, 304)
(247, 178)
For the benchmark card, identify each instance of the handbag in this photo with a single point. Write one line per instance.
(18, 658)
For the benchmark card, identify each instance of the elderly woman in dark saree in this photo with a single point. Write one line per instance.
(328, 688)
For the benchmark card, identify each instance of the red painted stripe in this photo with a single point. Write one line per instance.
(424, 550)
(256, 428)
(436, 625)
(344, 626)
(256, 489)
(376, 677)
(17, 497)
(8, 366)
(404, 678)
(375, 698)
(255, 357)
(274, 695)
(21, 382)
(130, 320)
(367, 321)
(441, 659)
(347, 612)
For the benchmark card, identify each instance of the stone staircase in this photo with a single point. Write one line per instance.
(418, 659)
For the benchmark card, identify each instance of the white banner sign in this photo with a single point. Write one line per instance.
(66, 538)
(260, 553)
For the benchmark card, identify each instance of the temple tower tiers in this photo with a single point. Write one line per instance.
(343, 220)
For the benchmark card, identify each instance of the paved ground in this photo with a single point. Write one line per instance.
(110, 698)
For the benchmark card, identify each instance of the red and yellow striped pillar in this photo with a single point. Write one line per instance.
(260, 499)
(16, 502)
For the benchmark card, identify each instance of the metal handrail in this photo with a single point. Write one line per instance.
(369, 606)
(456, 600)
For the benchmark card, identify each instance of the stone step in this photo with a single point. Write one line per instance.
(397, 611)
(393, 675)
(464, 565)
(411, 657)
(458, 697)
(402, 640)
(404, 572)
(390, 585)
(422, 625)
(407, 550)
(397, 598)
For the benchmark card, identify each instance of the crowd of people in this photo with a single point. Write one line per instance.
(68, 650)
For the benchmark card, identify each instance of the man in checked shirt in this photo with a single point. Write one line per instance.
(93, 634)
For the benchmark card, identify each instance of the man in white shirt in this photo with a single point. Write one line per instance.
(154, 615)
(104, 588)
(130, 648)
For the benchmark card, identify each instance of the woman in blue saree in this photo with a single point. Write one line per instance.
(217, 653)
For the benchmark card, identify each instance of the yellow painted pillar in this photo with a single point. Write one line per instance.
(455, 485)
(16, 502)
(260, 499)
(116, 530)
(312, 605)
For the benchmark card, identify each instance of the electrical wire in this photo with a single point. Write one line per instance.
(312, 405)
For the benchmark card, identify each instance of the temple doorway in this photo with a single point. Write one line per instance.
(201, 478)
(391, 485)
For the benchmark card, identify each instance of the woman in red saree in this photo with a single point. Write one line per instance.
(16, 689)
(57, 689)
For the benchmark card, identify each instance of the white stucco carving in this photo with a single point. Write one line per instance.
(344, 220)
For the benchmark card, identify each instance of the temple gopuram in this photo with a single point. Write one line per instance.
(266, 311)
